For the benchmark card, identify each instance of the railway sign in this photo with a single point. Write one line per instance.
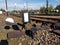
(26, 17)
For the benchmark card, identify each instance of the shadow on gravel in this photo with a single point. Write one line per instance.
(15, 27)
(55, 33)
(7, 27)
(3, 42)
(29, 33)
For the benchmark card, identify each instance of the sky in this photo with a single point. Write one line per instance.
(22, 4)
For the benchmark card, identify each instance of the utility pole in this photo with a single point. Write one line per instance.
(26, 5)
(15, 5)
(6, 7)
(46, 6)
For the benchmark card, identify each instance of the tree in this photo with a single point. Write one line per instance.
(50, 8)
(43, 10)
(58, 8)
(2, 10)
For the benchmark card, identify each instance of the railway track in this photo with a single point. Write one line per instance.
(49, 19)
(54, 19)
(39, 19)
(43, 18)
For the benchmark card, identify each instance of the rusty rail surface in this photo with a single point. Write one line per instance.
(52, 19)
(46, 17)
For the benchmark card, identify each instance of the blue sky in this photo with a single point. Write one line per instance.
(32, 4)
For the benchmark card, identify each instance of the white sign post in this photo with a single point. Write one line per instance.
(25, 18)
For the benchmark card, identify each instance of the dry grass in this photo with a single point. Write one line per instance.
(3, 32)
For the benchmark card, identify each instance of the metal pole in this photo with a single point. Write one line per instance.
(27, 5)
(15, 6)
(6, 7)
(46, 6)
